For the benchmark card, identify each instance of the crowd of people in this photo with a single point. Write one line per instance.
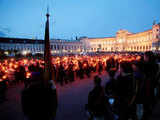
(65, 68)
(133, 79)
(132, 84)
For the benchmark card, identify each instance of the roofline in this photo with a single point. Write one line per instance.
(140, 32)
(18, 38)
(32, 39)
(101, 37)
(130, 33)
(25, 40)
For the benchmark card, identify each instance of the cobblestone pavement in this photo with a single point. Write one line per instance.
(71, 97)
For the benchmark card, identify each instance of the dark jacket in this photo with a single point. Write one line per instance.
(150, 71)
(139, 81)
(125, 87)
(39, 102)
(96, 101)
(110, 87)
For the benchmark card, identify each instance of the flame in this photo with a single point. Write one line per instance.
(15, 66)
(10, 64)
(28, 75)
(12, 59)
(25, 61)
(4, 77)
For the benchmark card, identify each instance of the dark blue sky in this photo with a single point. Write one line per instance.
(70, 18)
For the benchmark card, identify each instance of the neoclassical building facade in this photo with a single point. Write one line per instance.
(24, 46)
(125, 41)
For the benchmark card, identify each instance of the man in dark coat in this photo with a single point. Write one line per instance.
(150, 71)
(124, 89)
(110, 85)
(3, 89)
(39, 102)
(97, 103)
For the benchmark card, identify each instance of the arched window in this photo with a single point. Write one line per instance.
(146, 47)
(143, 47)
(55, 47)
(140, 47)
(65, 47)
(51, 46)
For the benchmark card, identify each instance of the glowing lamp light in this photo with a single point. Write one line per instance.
(15, 66)
(3, 68)
(75, 68)
(65, 58)
(138, 58)
(24, 52)
(12, 59)
(28, 75)
(6, 52)
(25, 61)
(4, 77)
(85, 65)
(5, 61)
(10, 64)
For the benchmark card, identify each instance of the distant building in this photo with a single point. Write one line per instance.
(125, 41)
(37, 46)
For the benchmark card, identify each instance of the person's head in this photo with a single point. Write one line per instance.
(112, 72)
(136, 66)
(148, 56)
(125, 67)
(31, 68)
(36, 78)
(97, 80)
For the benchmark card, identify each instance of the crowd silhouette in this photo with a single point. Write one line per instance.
(133, 82)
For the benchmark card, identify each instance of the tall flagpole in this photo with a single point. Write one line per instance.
(47, 54)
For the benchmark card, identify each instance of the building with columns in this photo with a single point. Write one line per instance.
(58, 46)
(125, 41)
(66, 46)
